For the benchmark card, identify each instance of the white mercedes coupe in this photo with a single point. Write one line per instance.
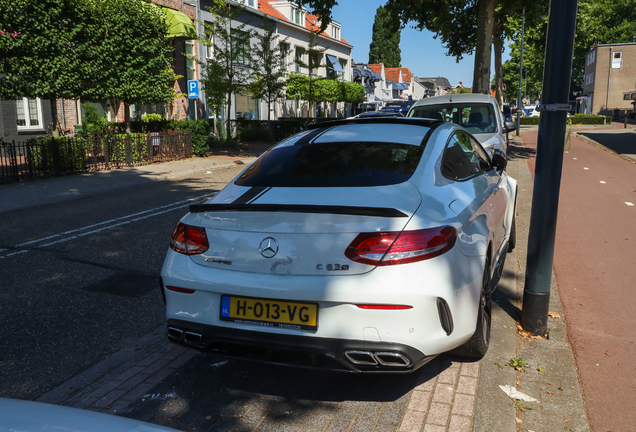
(363, 245)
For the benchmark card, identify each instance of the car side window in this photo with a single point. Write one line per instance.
(484, 159)
(461, 160)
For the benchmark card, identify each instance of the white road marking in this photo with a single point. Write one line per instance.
(602, 182)
(629, 204)
(586, 168)
(574, 158)
(146, 214)
(111, 220)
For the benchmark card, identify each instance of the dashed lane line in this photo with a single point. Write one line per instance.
(125, 220)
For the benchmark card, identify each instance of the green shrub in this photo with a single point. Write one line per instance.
(138, 145)
(92, 123)
(584, 119)
(71, 151)
(254, 130)
(199, 131)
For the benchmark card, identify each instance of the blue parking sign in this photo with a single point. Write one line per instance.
(193, 89)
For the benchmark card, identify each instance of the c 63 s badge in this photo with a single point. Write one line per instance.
(332, 267)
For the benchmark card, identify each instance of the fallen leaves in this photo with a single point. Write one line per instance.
(524, 333)
(554, 315)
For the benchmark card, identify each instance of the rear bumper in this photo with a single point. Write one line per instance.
(317, 353)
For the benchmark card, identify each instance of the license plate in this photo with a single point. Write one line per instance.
(269, 313)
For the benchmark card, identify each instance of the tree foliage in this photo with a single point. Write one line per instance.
(228, 69)
(313, 52)
(385, 40)
(598, 22)
(90, 49)
(268, 79)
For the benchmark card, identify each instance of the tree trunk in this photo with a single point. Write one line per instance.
(55, 126)
(497, 45)
(485, 20)
(228, 131)
(127, 117)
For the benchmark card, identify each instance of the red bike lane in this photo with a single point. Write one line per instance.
(595, 271)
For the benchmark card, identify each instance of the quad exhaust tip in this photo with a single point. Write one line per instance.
(368, 358)
(190, 338)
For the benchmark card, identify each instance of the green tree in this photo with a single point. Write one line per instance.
(385, 40)
(228, 71)
(598, 22)
(268, 81)
(90, 49)
(314, 54)
(139, 70)
(42, 48)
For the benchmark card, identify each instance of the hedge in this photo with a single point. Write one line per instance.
(575, 119)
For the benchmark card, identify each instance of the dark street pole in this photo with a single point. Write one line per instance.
(523, 30)
(547, 182)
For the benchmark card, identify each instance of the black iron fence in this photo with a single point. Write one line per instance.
(55, 156)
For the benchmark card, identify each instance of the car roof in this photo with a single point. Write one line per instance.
(380, 120)
(456, 98)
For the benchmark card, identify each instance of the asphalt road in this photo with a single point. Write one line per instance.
(63, 306)
(595, 273)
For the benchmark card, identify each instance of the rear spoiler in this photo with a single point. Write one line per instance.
(299, 208)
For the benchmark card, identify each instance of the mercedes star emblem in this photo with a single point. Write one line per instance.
(269, 247)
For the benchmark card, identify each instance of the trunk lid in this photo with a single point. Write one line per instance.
(305, 241)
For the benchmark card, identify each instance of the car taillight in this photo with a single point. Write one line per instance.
(390, 248)
(189, 240)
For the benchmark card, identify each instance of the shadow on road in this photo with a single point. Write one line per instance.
(213, 393)
(623, 143)
(516, 152)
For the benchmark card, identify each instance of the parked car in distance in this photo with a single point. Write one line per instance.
(401, 107)
(27, 416)
(507, 113)
(362, 245)
(479, 114)
(376, 114)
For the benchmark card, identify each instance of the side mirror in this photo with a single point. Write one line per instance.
(499, 161)
(510, 125)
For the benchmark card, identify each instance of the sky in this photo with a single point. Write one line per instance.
(420, 52)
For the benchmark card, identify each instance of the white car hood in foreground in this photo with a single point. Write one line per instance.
(25, 416)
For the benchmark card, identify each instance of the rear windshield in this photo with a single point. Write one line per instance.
(475, 117)
(334, 164)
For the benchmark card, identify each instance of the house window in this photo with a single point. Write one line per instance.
(299, 59)
(336, 32)
(28, 113)
(190, 62)
(284, 52)
(246, 107)
(240, 46)
(617, 60)
(210, 48)
(297, 16)
(343, 63)
(315, 64)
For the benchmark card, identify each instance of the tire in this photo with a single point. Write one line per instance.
(478, 344)
(512, 240)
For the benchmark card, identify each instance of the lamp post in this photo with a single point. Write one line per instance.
(549, 161)
(523, 30)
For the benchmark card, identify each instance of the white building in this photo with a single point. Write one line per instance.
(294, 25)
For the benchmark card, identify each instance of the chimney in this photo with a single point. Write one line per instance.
(460, 83)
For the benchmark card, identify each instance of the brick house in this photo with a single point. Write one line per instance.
(608, 67)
